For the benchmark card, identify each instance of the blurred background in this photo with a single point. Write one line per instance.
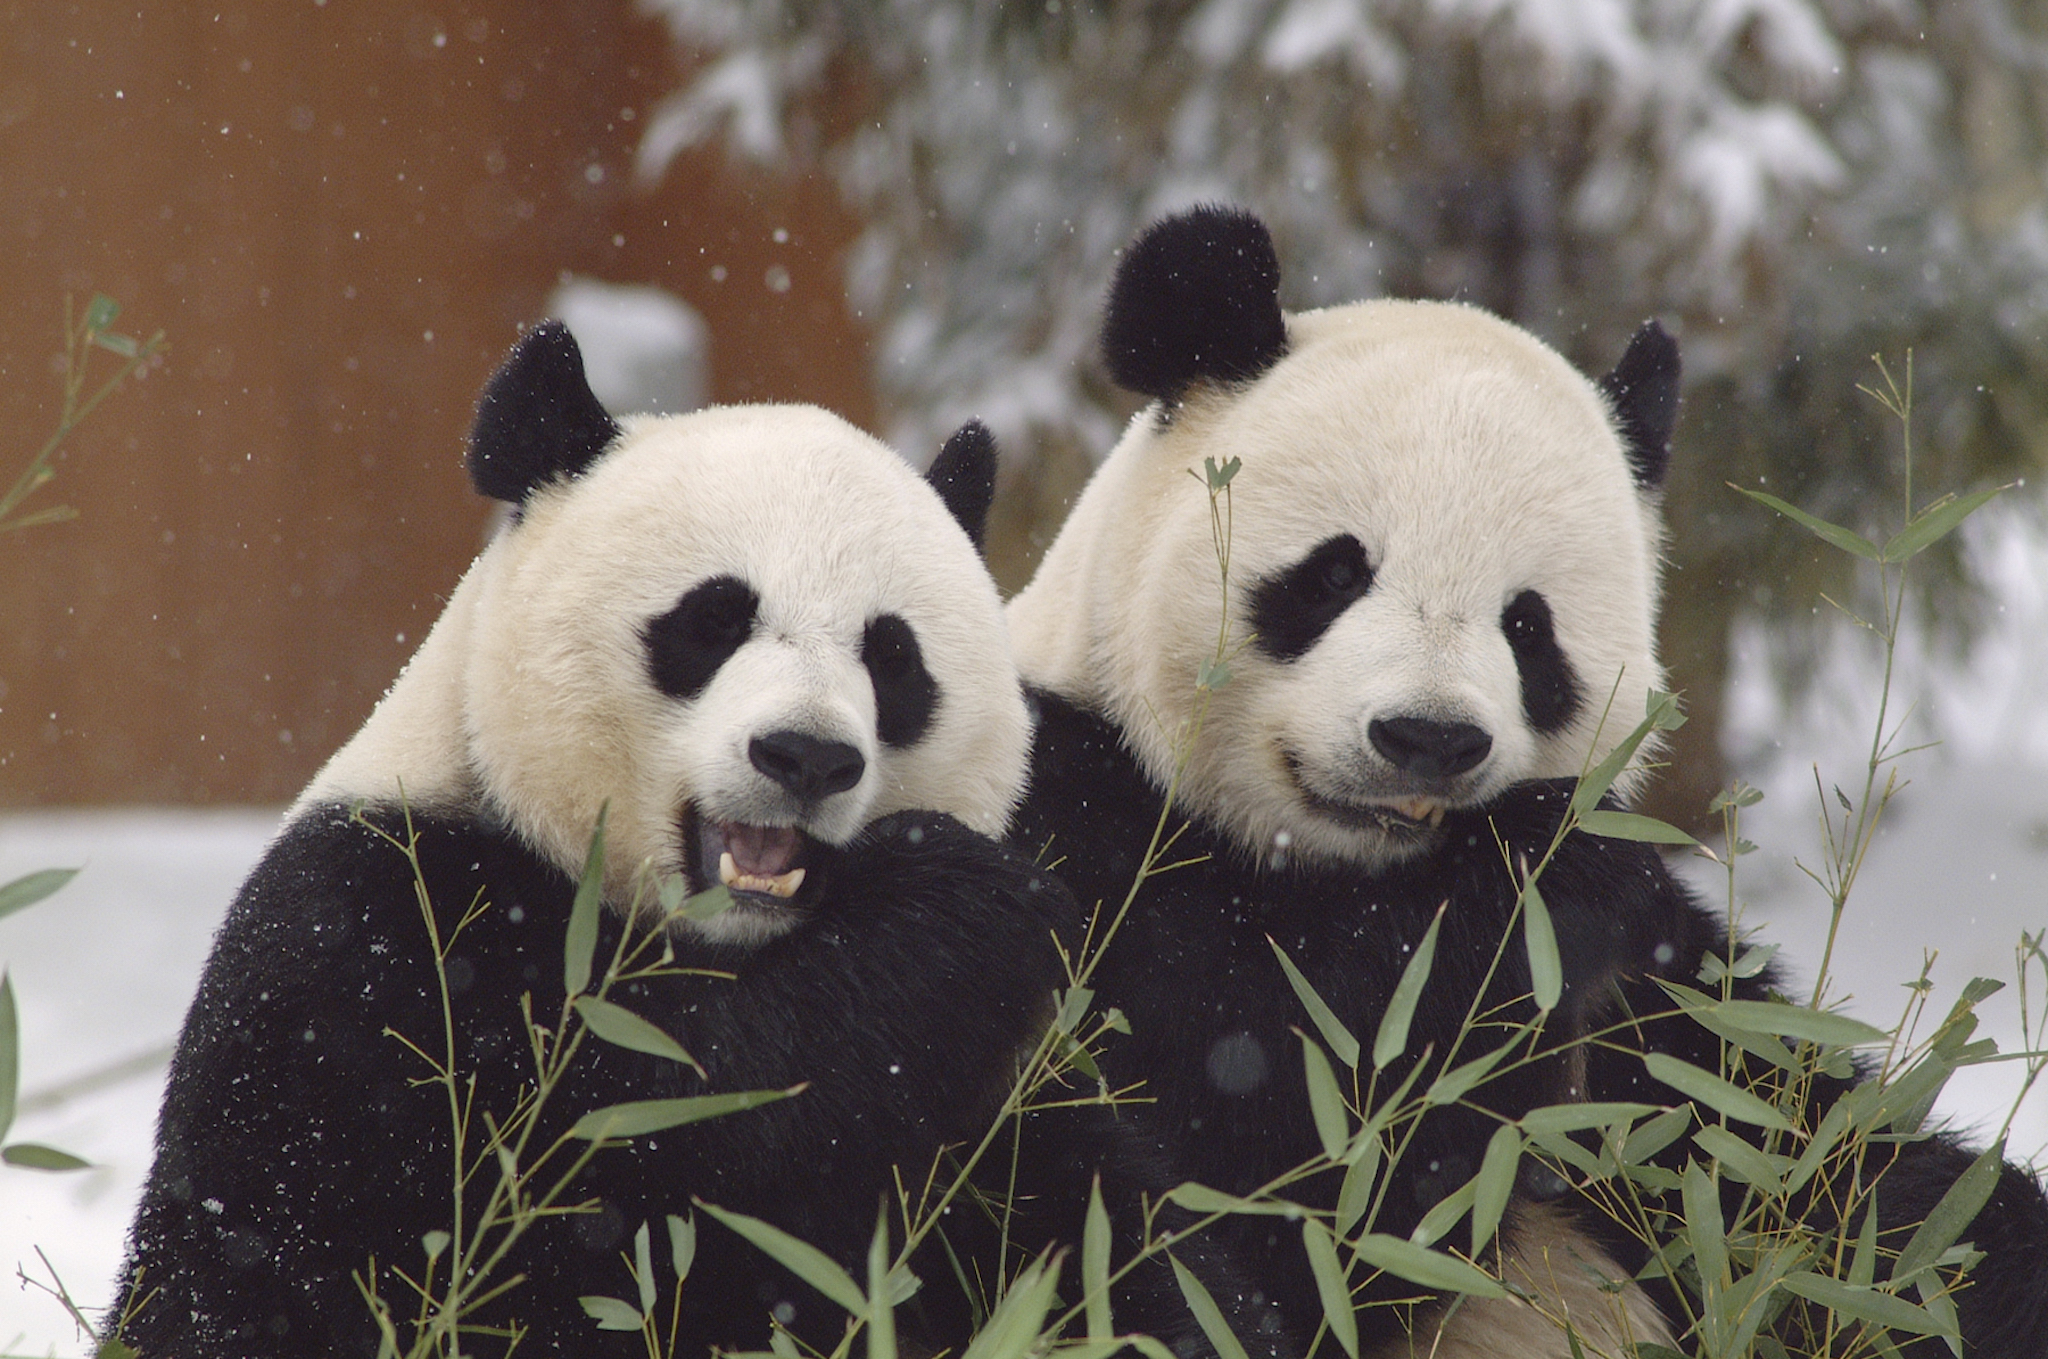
(341, 211)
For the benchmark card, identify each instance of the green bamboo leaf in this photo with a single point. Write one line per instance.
(1797, 1021)
(1095, 1264)
(1355, 1195)
(433, 1243)
(1325, 1100)
(881, 1312)
(639, 1117)
(1455, 1084)
(1952, 1216)
(800, 1258)
(1421, 1265)
(1862, 1304)
(1633, 826)
(1712, 1091)
(1444, 1214)
(1703, 1225)
(1494, 1183)
(1704, 1012)
(1934, 523)
(616, 1024)
(1863, 1264)
(124, 345)
(1546, 972)
(1652, 1137)
(1564, 1118)
(1741, 1159)
(713, 900)
(36, 1156)
(682, 1244)
(1207, 1315)
(1330, 1284)
(579, 946)
(1200, 1198)
(1327, 1024)
(1013, 1328)
(27, 891)
(1661, 714)
(1850, 542)
(113, 1347)
(101, 311)
(1392, 1039)
(10, 1053)
(613, 1314)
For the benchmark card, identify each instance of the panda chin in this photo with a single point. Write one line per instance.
(771, 868)
(1407, 822)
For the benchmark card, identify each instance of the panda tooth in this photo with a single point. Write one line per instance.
(1436, 816)
(784, 884)
(728, 871)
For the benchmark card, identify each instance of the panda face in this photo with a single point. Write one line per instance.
(749, 632)
(1441, 568)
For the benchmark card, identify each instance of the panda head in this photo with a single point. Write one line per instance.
(1442, 545)
(748, 632)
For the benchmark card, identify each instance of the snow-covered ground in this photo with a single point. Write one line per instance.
(103, 971)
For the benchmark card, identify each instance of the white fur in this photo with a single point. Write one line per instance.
(1472, 462)
(530, 700)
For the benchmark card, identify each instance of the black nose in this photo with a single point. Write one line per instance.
(1430, 750)
(808, 767)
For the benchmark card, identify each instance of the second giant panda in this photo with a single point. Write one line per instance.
(768, 653)
(1439, 609)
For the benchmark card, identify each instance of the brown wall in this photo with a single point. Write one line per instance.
(339, 212)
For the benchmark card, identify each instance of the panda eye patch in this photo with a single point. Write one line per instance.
(1550, 688)
(686, 645)
(1292, 610)
(906, 695)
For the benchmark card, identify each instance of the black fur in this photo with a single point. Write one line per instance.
(687, 645)
(1196, 299)
(1292, 610)
(295, 1145)
(906, 695)
(1213, 1019)
(964, 475)
(1643, 389)
(537, 420)
(1550, 687)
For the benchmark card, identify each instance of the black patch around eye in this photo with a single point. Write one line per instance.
(686, 645)
(906, 695)
(1550, 688)
(1292, 610)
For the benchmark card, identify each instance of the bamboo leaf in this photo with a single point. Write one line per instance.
(1443, 1215)
(36, 1156)
(800, 1258)
(1952, 1216)
(1330, 1284)
(1392, 1039)
(1200, 1198)
(1355, 1196)
(1327, 1024)
(881, 1314)
(713, 900)
(639, 1117)
(1455, 1084)
(643, 1267)
(1633, 826)
(27, 891)
(1325, 1100)
(1652, 1137)
(613, 1314)
(1703, 1225)
(1862, 1304)
(616, 1024)
(1712, 1091)
(1564, 1118)
(1013, 1328)
(1095, 1264)
(1797, 1021)
(1863, 1264)
(1494, 1183)
(101, 311)
(682, 1244)
(1421, 1265)
(579, 945)
(1207, 1315)
(1546, 972)
(1744, 1161)
(1934, 523)
(1848, 541)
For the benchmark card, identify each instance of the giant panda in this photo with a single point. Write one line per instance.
(767, 654)
(1441, 592)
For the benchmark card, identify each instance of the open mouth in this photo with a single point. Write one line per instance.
(1415, 815)
(767, 865)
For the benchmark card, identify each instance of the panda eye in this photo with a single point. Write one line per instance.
(1292, 610)
(686, 645)
(906, 695)
(1550, 687)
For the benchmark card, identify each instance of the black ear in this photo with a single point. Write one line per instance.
(537, 419)
(964, 475)
(1197, 297)
(1643, 389)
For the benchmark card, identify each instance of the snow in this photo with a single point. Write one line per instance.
(644, 349)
